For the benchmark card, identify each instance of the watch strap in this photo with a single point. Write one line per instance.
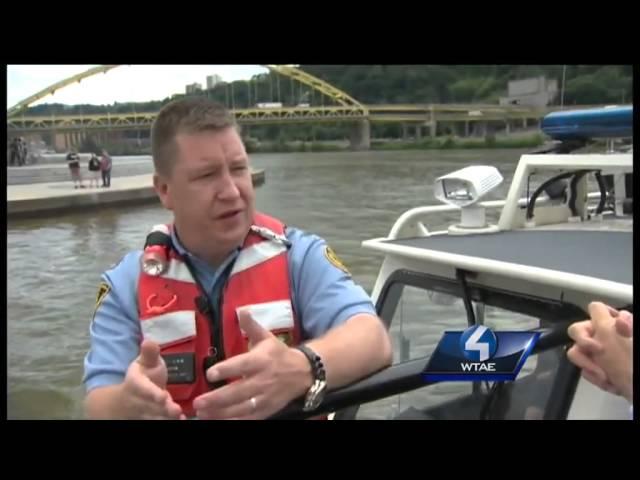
(317, 367)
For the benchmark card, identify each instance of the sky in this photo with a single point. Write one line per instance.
(127, 83)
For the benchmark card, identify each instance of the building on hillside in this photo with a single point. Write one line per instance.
(534, 92)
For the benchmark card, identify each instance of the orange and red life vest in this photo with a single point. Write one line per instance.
(174, 313)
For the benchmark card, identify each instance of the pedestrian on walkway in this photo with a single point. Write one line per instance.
(73, 161)
(94, 170)
(105, 167)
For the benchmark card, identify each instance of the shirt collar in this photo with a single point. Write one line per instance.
(184, 252)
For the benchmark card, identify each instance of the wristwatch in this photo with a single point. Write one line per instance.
(316, 393)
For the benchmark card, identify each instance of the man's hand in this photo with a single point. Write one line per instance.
(269, 376)
(144, 393)
(616, 356)
(603, 347)
(624, 324)
(582, 352)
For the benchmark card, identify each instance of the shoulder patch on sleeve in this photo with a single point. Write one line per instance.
(103, 290)
(334, 260)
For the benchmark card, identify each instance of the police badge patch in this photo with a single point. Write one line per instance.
(334, 260)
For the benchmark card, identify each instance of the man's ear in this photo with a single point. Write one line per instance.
(163, 190)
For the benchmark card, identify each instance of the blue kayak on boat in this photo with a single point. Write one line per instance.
(607, 122)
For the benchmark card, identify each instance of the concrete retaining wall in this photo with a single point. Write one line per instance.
(57, 171)
(45, 199)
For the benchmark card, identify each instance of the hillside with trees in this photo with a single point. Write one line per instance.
(389, 84)
(376, 84)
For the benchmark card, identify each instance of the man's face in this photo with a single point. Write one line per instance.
(210, 192)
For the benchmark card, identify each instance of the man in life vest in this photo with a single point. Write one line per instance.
(227, 312)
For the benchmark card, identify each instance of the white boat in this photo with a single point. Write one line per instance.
(553, 248)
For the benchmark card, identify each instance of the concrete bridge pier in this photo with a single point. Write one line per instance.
(361, 135)
(433, 123)
(418, 132)
(63, 141)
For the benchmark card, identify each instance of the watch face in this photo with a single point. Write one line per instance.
(316, 395)
(319, 396)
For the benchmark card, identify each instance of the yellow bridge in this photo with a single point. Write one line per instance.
(425, 114)
(343, 108)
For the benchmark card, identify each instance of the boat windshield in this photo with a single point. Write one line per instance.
(420, 308)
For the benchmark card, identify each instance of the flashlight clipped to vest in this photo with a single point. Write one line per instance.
(155, 257)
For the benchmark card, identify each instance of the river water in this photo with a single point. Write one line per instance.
(54, 264)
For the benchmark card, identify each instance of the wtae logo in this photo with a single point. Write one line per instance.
(478, 344)
(480, 354)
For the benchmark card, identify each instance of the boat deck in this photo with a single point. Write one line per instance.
(606, 254)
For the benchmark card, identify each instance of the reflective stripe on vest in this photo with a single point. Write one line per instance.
(271, 315)
(178, 270)
(170, 327)
(256, 254)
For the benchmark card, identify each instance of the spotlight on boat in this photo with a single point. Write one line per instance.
(464, 189)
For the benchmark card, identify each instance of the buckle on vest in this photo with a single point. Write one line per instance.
(269, 235)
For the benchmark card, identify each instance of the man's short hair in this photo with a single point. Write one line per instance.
(188, 115)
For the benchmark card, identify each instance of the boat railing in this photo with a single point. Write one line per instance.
(415, 217)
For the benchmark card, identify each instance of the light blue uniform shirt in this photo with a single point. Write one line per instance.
(324, 296)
